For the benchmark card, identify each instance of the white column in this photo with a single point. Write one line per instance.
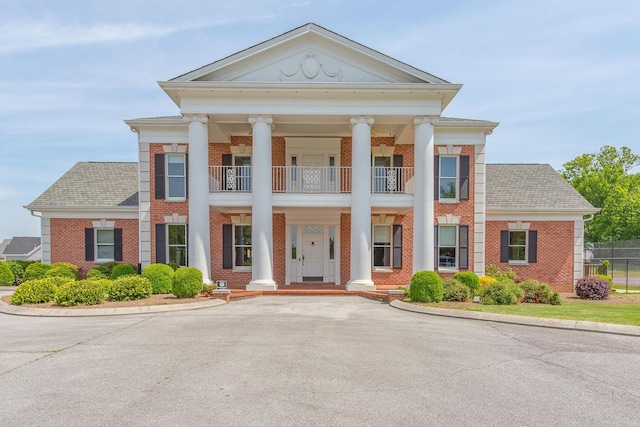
(361, 204)
(199, 237)
(423, 204)
(261, 210)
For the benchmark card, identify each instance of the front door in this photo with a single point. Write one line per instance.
(312, 257)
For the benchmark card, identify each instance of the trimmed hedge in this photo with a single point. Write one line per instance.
(187, 282)
(455, 290)
(129, 288)
(89, 292)
(426, 286)
(17, 270)
(63, 269)
(536, 292)
(37, 270)
(160, 276)
(468, 278)
(96, 274)
(7, 277)
(37, 291)
(120, 270)
(592, 288)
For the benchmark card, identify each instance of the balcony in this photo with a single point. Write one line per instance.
(311, 179)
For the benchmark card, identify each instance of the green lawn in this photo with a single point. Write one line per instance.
(626, 312)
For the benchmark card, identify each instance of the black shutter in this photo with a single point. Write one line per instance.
(186, 242)
(227, 246)
(397, 165)
(504, 246)
(88, 244)
(436, 252)
(464, 177)
(226, 161)
(159, 176)
(436, 177)
(533, 246)
(463, 241)
(117, 244)
(186, 176)
(397, 246)
(161, 244)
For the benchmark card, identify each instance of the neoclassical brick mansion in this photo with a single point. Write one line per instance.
(312, 158)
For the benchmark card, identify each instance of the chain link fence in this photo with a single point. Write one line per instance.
(623, 257)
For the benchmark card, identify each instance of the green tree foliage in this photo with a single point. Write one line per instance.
(607, 180)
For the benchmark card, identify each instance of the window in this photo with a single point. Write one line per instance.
(294, 168)
(382, 246)
(332, 239)
(105, 244)
(242, 246)
(519, 246)
(176, 176)
(447, 248)
(332, 169)
(177, 244)
(448, 180)
(294, 242)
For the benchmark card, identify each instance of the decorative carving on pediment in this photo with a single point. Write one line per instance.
(310, 67)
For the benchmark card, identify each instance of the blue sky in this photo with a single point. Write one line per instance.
(560, 76)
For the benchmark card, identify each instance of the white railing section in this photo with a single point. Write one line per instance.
(392, 180)
(311, 179)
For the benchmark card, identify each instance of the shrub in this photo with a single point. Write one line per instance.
(605, 277)
(160, 276)
(96, 274)
(497, 273)
(498, 293)
(173, 266)
(592, 288)
(555, 299)
(426, 286)
(6, 275)
(120, 270)
(63, 269)
(405, 289)
(129, 288)
(89, 292)
(17, 270)
(37, 270)
(487, 280)
(455, 290)
(187, 282)
(536, 292)
(37, 291)
(468, 278)
(107, 267)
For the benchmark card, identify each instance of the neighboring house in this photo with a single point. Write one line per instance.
(20, 249)
(310, 157)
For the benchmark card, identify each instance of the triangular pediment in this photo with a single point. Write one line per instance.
(309, 54)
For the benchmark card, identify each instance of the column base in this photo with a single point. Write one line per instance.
(360, 285)
(262, 285)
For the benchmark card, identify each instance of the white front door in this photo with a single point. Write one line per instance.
(312, 256)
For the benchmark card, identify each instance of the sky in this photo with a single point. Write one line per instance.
(561, 77)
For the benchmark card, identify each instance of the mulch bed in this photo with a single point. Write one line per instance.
(160, 299)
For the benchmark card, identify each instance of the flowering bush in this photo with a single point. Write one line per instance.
(454, 290)
(487, 280)
(496, 272)
(592, 288)
(501, 293)
(536, 292)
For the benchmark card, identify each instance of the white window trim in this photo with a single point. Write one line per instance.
(526, 247)
(95, 245)
(234, 246)
(168, 245)
(455, 268)
(383, 269)
(167, 177)
(457, 178)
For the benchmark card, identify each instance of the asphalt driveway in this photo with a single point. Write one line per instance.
(311, 361)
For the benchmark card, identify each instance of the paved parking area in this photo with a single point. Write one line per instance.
(311, 361)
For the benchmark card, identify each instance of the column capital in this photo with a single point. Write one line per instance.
(425, 120)
(366, 120)
(261, 119)
(200, 118)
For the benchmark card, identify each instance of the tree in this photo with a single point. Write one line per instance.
(606, 180)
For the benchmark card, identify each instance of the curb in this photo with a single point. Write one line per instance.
(578, 325)
(91, 312)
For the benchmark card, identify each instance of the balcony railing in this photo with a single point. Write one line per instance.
(311, 179)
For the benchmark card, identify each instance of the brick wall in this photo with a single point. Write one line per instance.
(67, 241)
(555, 253)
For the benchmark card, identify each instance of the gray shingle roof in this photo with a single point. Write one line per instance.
(21, 245)
(93, 184)
(532, 187)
